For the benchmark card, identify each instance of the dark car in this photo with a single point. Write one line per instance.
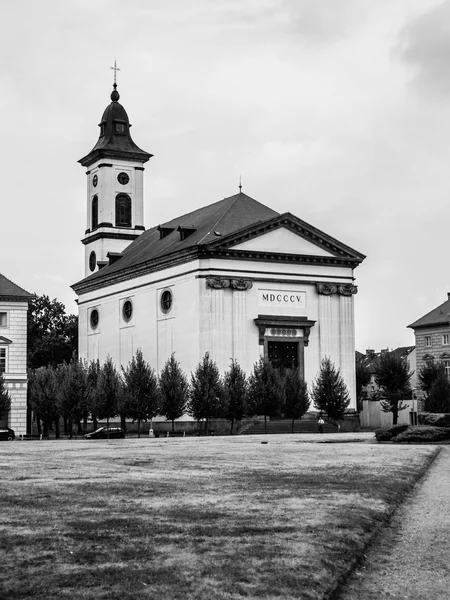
(102, 433)
(7, 434)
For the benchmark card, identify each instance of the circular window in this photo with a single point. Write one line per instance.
(123, 178)
(166, 301)
(92, 261)
(127, 310)
(94, 318)
(95, 181)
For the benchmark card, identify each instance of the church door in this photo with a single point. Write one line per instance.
(283, 355)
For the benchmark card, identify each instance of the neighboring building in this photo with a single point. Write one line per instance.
(13, 351)
(432, 333)
(234, 278)
(372, 415)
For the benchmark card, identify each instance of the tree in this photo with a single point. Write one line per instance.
(141, 400)
(235, 392)
(296, 399)
(52, 335)
(438, 399)
(74, 391)
(174, 390)
(329, 391)
(93, 373)
(108, 391)
(43, 396)
(392, 376)
(362, 379)
(428, 374)
(265, 390)
(5, 399)
(205, 391)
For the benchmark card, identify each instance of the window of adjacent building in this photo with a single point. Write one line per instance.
(94, 318)
(123, 210)
(447, 368)
(445, 339)
(127, 310)
(3, 319)
(94, 212)
(428, 341)
(166, 301)
(2, 360)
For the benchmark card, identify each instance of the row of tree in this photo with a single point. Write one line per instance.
(392, 376)
(77, 391)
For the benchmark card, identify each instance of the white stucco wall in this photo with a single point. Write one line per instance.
(219, 321)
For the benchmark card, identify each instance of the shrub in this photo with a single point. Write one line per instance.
(424, 434)
(385, 434)
(435, 419)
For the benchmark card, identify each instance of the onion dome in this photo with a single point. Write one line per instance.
(115, 141)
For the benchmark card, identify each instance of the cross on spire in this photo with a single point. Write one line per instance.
(115, 68)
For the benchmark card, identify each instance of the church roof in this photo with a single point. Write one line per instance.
(437, 316)
(10, 292)
(115, 140)
(212, 230)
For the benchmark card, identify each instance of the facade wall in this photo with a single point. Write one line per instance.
(221, 321)
(15, 374)
(433, 346)
(373, 417)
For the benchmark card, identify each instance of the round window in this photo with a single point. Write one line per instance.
(127, 310)
(92, 261)
(94, 318)
(166, 301)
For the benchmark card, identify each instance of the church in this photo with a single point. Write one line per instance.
(235, 278)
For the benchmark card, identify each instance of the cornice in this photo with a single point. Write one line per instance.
(23, 299)
(276, 321)
(279, 257)
(111, 235)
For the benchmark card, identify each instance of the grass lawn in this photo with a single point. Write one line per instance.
(197, 518)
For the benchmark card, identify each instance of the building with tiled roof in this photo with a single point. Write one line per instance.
(13, 351)
(234, 278)
(432, 333)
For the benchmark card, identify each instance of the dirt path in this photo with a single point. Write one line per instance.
(411, 558)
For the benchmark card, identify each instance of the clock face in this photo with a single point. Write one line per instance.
(95, 181)
(123, 178)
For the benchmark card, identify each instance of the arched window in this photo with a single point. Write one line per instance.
(94, 219)
(123, 210)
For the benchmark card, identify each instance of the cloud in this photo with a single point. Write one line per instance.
(424, 44)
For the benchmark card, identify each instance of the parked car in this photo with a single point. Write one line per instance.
(103, 433)
(7, 434)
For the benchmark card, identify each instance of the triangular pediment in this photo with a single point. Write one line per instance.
(287, 234)
(4, 340)
(282, 240)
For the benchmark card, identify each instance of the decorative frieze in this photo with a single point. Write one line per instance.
(218, 283)
(328, 289)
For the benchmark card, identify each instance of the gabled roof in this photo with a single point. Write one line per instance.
(212, 231)
(11, 292)
(438, 316)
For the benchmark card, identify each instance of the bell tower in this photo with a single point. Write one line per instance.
(115, 188)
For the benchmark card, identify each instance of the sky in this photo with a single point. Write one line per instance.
(335, 111)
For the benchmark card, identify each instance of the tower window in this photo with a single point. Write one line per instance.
(94, 219)
(92, 261)
(123, 210)
(119, 127)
